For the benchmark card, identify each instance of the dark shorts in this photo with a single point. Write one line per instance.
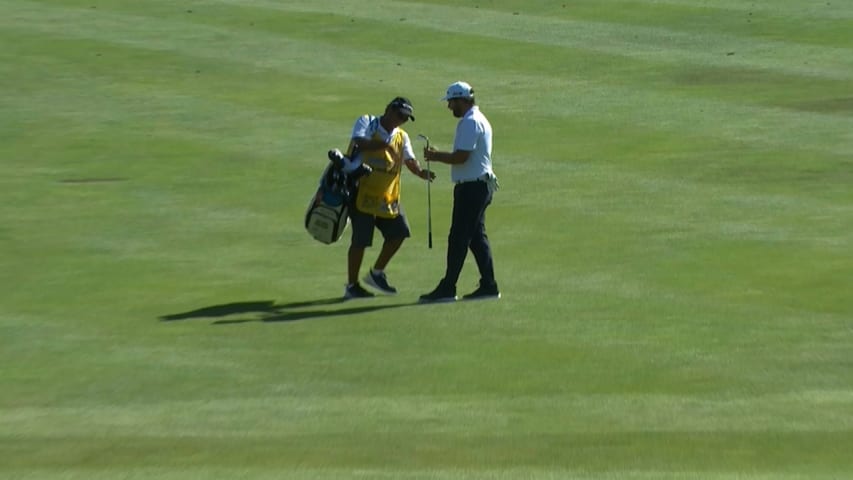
(362, 227)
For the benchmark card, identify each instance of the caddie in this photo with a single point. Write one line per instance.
(381, 144)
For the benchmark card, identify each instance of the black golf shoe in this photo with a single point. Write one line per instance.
(356, 291)
(484, 292)
(441, 294)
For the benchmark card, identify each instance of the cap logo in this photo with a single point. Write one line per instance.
(459, 90)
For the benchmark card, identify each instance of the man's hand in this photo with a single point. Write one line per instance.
(430, 154)
(415, 168)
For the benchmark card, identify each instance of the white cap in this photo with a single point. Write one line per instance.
(459, 90)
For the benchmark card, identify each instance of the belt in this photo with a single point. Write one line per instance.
(482, 178)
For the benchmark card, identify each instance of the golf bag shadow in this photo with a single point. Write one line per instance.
(327, 216)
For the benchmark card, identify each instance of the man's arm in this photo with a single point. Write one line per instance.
(415, 167)
(369, 144)
(464, 142)
(363, 134)
(451, 158)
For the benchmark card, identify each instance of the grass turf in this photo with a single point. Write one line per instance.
(672, 239)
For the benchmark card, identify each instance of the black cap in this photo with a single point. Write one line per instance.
(403, 105)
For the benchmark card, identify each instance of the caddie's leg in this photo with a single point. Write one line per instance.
(362, 237)
(394, 231)
(389, 248)
(354, 258)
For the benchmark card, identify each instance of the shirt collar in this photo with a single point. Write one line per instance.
(382, 129)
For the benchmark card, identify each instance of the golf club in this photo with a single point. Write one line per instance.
(429, 199)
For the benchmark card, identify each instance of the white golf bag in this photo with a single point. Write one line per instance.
(327, 216)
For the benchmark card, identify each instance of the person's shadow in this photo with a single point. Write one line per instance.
(269, 311)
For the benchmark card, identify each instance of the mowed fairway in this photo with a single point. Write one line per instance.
(673, 239)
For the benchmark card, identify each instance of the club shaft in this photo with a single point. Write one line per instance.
(429, 209)
(429, 197)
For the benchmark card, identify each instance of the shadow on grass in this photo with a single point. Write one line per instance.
(270, 312)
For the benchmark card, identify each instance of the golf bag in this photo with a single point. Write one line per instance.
(327, 216)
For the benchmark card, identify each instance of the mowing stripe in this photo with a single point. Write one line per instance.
(647, 43)
(771, 127)
(826, 9)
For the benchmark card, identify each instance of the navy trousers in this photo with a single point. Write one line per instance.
(468, 230)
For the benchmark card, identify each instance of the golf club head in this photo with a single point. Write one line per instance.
(424, 138)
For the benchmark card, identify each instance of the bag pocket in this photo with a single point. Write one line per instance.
(326, 223)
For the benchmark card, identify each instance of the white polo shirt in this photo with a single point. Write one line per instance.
(473, 134)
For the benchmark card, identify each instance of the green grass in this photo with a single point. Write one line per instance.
(673, 240)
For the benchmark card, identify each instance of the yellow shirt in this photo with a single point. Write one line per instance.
(379, 192)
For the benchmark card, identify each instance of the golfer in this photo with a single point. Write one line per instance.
(471, 171)
(380, 143)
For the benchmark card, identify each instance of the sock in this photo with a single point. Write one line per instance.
(377, 272)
